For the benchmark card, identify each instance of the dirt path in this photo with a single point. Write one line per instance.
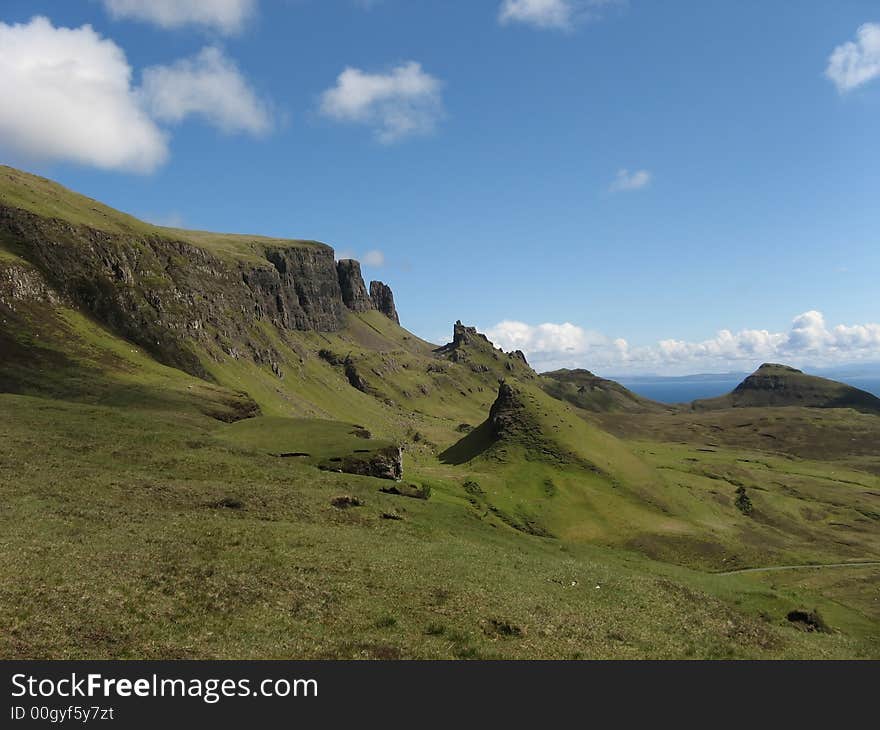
(799, 567)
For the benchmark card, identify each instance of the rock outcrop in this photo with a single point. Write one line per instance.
(352, 287)
(474, 349)
(383, 299)
(386, 463)
(180, 300)
(505, 415)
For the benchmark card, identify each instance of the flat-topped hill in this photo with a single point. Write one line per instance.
(780, 385)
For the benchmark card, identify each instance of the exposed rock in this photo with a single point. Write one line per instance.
(331, 357)
(21, 283)
(463, 336)
(383, 300)
(355, 379)
(162, 293)
(383, 464)
(505, 413)
(808, 621)
(351, 284)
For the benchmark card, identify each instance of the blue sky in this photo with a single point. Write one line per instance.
(566, 174)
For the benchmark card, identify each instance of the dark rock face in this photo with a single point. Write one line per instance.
(384, 464)
(383, 300)
(23, 284)
(165, 294)
(505, 414)
(351, 284)
(355, 379)
(462, 336)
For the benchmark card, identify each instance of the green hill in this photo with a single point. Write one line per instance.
(599, 395)
(780, 385)
(226, 446)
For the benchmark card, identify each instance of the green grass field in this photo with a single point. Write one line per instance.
(148, 513)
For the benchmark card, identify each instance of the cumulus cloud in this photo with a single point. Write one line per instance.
(208, 85)
(225, 16)
(627, 181)
(856, 62)
(809, 340)
(554, 14)
(68, 96)
(402, 102)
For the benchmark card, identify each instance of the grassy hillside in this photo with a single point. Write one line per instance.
(780, 385)
(599, 395)
(47, 198)
(151, 513)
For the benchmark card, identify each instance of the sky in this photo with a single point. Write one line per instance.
(627, 186)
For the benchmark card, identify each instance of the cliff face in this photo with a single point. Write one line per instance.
(168, 295)
(383, 300)
(351, 284)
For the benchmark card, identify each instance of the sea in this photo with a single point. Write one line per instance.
(684, 389)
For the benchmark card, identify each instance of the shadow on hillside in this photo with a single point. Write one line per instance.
(471, 446)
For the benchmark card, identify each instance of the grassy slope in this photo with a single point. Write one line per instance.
(587, 391)
(120, 544)
(47, 198)
(116, 478)
(781, 386)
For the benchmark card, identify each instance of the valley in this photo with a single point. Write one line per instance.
(218, 446)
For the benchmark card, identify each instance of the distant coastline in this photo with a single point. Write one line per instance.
(686, 388)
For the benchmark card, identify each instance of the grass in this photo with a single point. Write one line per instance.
(121, 550)
(147, 514)
(47, 198)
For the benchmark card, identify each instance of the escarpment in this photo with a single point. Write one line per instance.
(382, 299)
(180, 300)
(351, 285)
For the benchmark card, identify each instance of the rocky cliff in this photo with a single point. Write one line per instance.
(351, 285)
(180, 300)
(383, 299)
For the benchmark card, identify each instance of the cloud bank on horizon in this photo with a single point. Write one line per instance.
(809, 341)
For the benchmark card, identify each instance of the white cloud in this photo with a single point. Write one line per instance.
(810, 340)
(627, 181)
(856, 62)
(374, 258)
(403, 102)
(555, 14)
(225, 16)
(209, 85)
(68, 97)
